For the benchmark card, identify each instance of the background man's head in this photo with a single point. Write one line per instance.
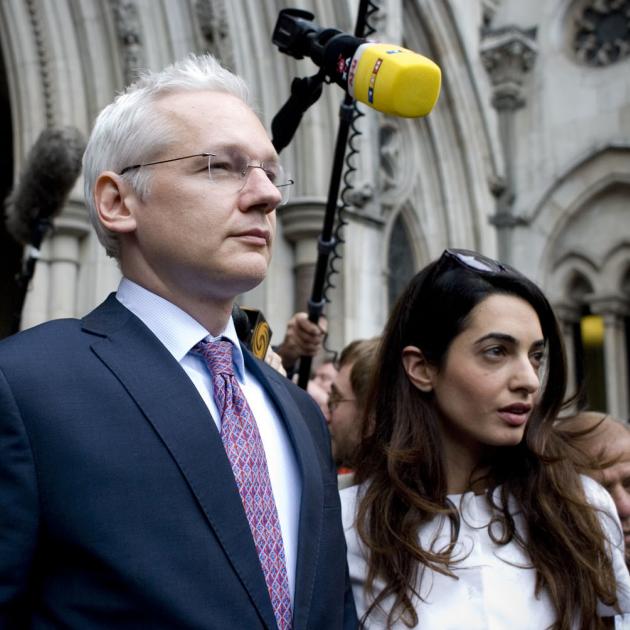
(347, 398)
(608, 442)
(324, 375)
(319, 384)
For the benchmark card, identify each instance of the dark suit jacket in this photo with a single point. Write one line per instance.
(118, 508)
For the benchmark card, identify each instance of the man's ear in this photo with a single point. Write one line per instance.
(112, 198)
(420, 372)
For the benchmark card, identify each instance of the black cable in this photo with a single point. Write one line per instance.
(363, 29)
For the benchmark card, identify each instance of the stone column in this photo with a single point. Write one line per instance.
(64, 271)
(568, 317)
(53, 292)
(613, 311)
(302, 222)
(35, 308)
(507, 53)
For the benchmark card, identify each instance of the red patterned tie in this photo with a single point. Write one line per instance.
(245, 451)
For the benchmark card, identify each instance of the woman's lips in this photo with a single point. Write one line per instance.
(515, 415)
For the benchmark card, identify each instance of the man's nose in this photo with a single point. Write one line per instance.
(259, 191)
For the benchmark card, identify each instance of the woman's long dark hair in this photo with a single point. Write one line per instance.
(400, 461)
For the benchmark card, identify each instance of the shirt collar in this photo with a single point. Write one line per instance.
(175, 328)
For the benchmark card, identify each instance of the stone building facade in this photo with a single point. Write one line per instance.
(525, 157)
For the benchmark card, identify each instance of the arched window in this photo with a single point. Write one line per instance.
(400, 260)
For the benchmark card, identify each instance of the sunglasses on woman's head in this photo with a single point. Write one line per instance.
(474, 262)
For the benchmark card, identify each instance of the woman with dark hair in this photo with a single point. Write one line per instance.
(468, 512)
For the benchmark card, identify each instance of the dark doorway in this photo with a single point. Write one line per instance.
(10, 250)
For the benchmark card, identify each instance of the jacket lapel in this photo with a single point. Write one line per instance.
(311, 510)
(170, 402)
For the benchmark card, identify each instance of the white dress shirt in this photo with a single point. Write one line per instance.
(495, 590)
(179, 333)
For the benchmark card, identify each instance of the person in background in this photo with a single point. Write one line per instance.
(302, 338)
(346, 404)
(153, 473)
(324, 375)
(468, 512)
(606, 441)
(318, 385)
(274, 360)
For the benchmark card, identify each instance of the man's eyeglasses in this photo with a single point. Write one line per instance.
(474, 262)
(335, 399)
(232, 170)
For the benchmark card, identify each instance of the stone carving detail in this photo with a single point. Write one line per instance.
(129, 31)
(215, 30)
(389, 142)
(602, 34)
(507, 54)
(42, 59)
(360, 195)
(489, 8)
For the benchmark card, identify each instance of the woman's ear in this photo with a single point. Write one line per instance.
(112, 199)
(420, 372)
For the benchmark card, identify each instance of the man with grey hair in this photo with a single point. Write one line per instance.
(606, 442)
(153, 474)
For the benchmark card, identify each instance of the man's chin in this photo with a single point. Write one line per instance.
(247, 276)
(256, 264)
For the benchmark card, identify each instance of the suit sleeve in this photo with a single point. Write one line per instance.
(18, 510)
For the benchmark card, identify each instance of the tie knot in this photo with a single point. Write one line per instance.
(218, 356)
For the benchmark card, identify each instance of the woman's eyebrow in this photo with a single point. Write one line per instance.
(498, 337)
(538, 344)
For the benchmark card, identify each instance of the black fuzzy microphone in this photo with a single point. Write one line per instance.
(51, 168)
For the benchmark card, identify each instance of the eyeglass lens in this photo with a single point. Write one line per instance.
(233, 169)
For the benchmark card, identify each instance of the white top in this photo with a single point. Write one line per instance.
(493, 591)
(179, 333)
